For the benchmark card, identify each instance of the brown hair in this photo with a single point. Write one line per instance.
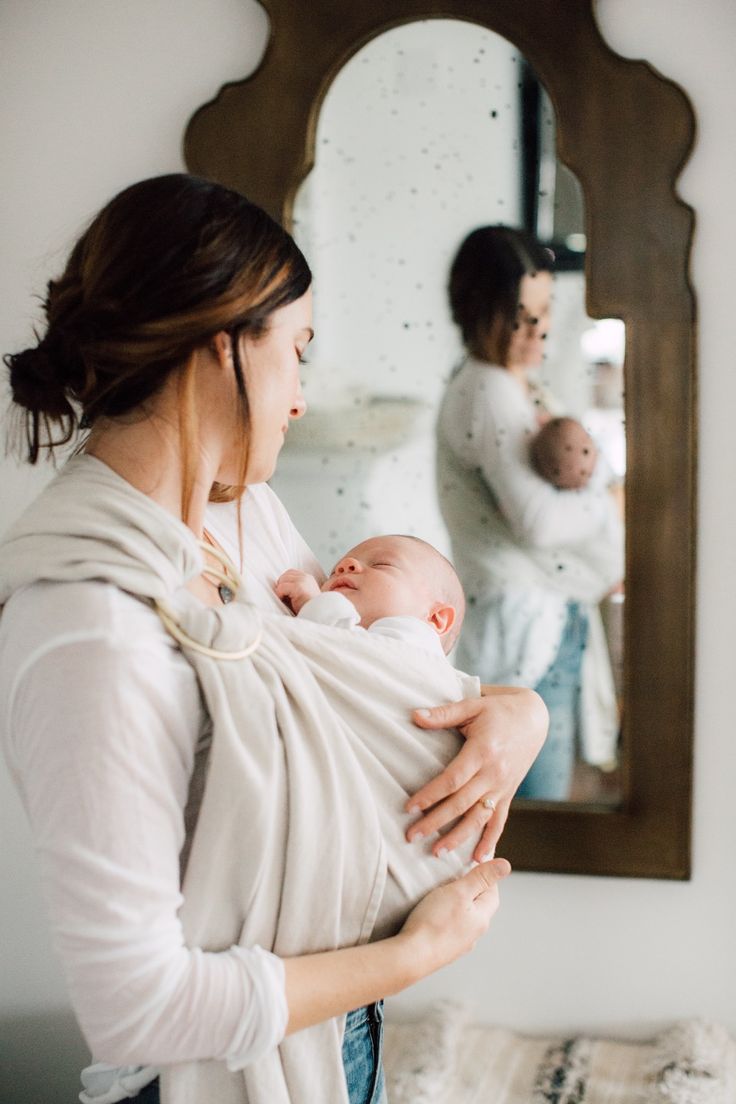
(484, 287)
(166, 265)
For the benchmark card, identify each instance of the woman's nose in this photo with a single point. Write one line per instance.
(347, 566)
(299, 406)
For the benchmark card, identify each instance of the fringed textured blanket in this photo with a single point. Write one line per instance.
(445, 1058)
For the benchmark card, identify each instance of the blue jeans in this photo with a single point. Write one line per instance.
(362, 1048)
(550, 776)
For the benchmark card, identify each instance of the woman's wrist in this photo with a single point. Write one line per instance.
(417, 956)
(321, 986)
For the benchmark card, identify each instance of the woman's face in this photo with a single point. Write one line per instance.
(526, 348)
(271, 369)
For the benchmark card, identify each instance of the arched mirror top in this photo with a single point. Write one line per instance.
(604, 104)
(625, 132)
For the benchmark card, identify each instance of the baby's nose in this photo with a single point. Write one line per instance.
(348, 564)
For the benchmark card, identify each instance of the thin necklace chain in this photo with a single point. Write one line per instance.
(226, 581)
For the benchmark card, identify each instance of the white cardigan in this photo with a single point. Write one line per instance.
(130, 716)
(522, 548)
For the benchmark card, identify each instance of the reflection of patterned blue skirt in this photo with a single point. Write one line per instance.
(362, 1048)
(550, 776)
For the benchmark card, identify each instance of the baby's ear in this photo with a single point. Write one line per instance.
(442, 618)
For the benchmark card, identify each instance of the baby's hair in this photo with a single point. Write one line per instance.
(452, 591)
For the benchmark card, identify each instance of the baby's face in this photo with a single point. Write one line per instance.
(386, 577)
(564, 454)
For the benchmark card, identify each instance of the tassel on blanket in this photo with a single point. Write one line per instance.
(425, 1054)
(693, 1062)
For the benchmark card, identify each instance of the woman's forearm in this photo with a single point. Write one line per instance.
(443, 926)
(321, 986)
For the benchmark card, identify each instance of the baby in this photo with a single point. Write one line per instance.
(396, 585)
(402, 588)
(564, 454)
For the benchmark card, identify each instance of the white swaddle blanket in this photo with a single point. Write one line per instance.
(299, 841)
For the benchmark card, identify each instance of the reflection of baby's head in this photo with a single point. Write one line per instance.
(564, 454)
(395, 576)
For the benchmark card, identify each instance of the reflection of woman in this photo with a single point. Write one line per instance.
(534, 560)
(175, 333)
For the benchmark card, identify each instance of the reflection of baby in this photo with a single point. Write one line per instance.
(564, 454)
(397, 585)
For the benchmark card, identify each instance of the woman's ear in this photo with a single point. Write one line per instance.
(442, 618)
(222, 347)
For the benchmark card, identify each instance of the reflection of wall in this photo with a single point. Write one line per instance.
(561, 214)
(91, 102)
(416, 144)
(566, 371)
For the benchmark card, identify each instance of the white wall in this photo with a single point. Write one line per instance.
(94, 95)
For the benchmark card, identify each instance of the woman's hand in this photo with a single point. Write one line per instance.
(448, 922)
(504, 731)
(444, 925)
(616, 491)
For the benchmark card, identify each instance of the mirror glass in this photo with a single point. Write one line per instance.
(431, 130)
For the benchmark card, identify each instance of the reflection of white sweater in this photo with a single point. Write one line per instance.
(336, 609)
(522, 548)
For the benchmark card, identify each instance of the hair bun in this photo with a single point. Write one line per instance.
(37, 382)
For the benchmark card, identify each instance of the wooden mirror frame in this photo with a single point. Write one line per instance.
(626, 133)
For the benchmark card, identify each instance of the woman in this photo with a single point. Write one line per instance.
(175, 335)
(534, 560)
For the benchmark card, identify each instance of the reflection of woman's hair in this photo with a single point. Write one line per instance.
(166, 265)
(484, 286)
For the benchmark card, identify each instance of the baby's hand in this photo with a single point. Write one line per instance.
(295, 588)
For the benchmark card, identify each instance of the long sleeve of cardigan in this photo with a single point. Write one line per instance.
(101, 725)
